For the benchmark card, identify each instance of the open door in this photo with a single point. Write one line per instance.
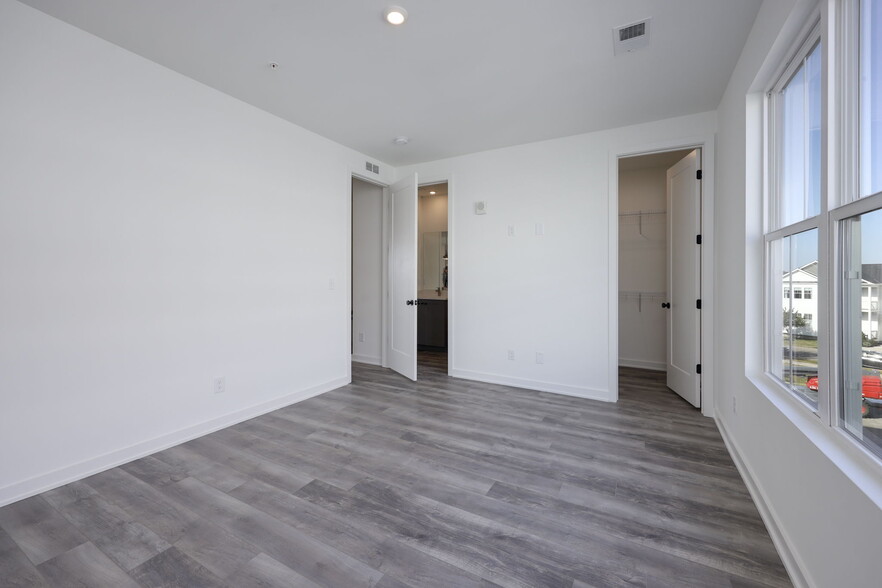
(684, 278)
(402, 354)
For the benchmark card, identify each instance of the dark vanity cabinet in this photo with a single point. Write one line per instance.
(432, 323)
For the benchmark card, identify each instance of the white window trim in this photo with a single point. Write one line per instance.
(810, 37)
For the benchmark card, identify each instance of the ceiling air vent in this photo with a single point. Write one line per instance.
(631, 37)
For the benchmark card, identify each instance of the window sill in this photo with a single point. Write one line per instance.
(858, 463)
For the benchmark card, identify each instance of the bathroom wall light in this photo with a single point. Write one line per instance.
(395, 15)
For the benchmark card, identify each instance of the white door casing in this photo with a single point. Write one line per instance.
(402, 354)
(684, 278)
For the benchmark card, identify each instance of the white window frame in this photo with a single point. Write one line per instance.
(837, 28)
(809, 39)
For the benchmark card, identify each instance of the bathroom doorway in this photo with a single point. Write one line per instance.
(433, 271)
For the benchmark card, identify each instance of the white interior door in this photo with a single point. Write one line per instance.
(402, 354)
(684, 278)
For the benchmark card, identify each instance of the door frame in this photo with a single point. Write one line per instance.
(425, 180)
(384, 264)
(706, 144)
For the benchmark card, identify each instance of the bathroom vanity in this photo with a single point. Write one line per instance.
(432, 321)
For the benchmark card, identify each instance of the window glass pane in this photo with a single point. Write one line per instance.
(861, 389)
(800, 143)
(794, 262)
(871, 97)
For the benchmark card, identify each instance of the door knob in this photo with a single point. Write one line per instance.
(666, 304)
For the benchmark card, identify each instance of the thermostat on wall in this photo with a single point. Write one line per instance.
(481, 207)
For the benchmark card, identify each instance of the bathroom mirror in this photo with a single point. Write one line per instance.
(433, 261)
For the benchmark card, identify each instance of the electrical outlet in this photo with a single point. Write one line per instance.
(219, 385)
(511, 230)
(511, 354)
(540, 229)
(540, 357)
(332, 284)
(734, 406)
(361, 337)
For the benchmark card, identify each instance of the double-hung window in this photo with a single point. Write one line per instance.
(792, 220)
(856, 225)
(823, 224)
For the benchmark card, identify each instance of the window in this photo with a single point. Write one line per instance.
(792, 219)
(793, 336)
(804, 223)
(861, 382)
(859, 258)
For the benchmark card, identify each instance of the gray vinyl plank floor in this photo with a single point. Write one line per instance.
(390, 483)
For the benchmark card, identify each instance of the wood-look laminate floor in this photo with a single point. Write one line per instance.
(442, 483)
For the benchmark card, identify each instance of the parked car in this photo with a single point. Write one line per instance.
(871, 359)
(871, 392)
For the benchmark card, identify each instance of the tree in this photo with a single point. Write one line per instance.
(793, 319)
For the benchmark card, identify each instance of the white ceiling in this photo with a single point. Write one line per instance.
(458, 77)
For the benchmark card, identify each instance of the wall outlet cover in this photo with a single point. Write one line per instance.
(219, 385)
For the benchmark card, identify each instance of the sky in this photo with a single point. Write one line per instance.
(801, 175)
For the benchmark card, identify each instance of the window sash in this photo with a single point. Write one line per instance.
(776, 231)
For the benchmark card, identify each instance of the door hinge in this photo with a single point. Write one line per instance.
(698, 368)
(698, 175)
(698, 304)
(698, 239)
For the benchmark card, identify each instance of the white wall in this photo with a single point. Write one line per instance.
(548, 293)
(367, 272)
(154, 234)
(643, 268)
(819, 496)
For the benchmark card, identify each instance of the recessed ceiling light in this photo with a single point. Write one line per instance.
(395, 15)
(431, 193)
(400, 140)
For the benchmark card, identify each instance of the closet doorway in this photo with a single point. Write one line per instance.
(660, 268)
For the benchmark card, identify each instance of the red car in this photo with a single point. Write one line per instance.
(871, 389)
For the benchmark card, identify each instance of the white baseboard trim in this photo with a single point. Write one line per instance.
(657, 366)
(565, 389)
(779, 537)
(65, 475)
(369, 359)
